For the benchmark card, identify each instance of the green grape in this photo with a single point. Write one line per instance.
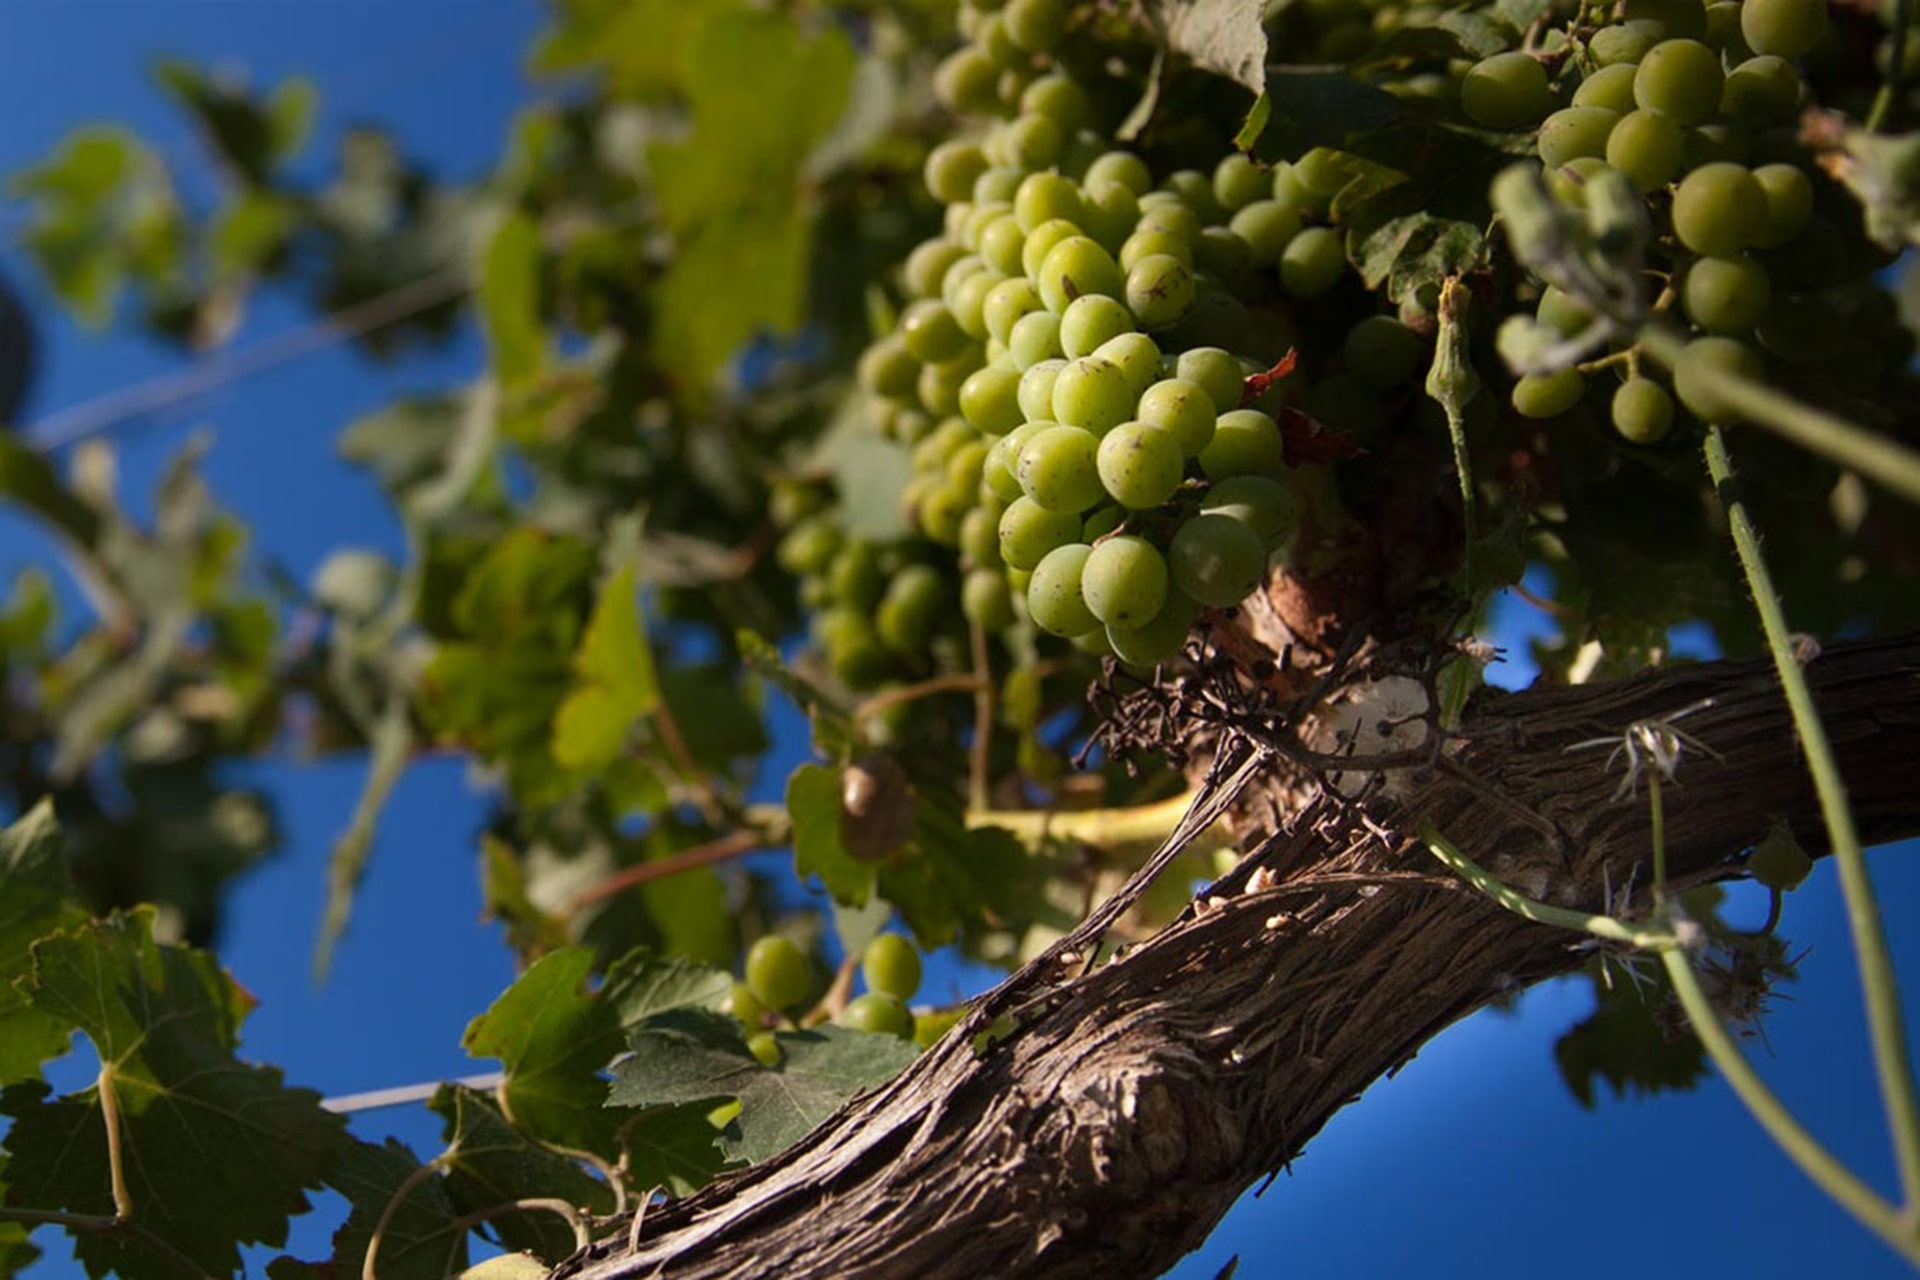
(1036, 389)
(980, 530)
(809, 547)
(1647, 147)
(765, 1047)
(1383, 353)
(1003, 455)
(1112, 213)
(855, 575)
(1124, 581)
(1265, 506)
(777, 972)
(951, 170)
(1267, 226)
(1548, 395)
(1090, 321)
(1574, 132)
(878, 1013)
(891, 965)
(1036, 25)
(970, 301)
(1058, 95)
(1005, 303)
(982, 215)
(1045, 196)
(1001, 243)
(1610, 87)
(1161, 637)
(1703, 367)
(1217, 371)
(1718, 209)
(1312, 262)
(1290, 190)
(1056, 596)
(1216, 559)
(1238, 182)
(1789, 204)
(1124, 167)
(888, 369)
(938, 508)
(1040, 241)
(908, 425)
(1092, 393)
(927, 265)
(939, 384)
(1562, 313)
(1246, 442)
(1076, 267)
(1680, 77)
(1642, 411)
(1621, 46)
(1195, 190)
(967, 81)
(990, 37)
(1034, 340)
(1725, 295)
(1506, 91)
(1140, 466)
(744, 1005)
(963, 467)
(1137, 356)
(1568, 183)
(1670, 19)
(1058, 470)
(1321, 173)
(1762, 91)
(1028, 531)
(996, 186)
(1183, 410)
(1154, 242)
(986, 600)
(990, 400)
(1783, 28)
(1169, 215)
(910, 610)
(1222, 254)
(1033, 142)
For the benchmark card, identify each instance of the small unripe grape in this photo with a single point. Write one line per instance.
(1701, 368)
(1789, 203)
(1506, 91)
(1647, 147)
(1060, 96)
(777, 972)
(1267, 226)
(1574, 132)
(1718, 209)
(1092, 393)
(878, 1013)
(1076, 267)
(746, 1006)
(890, 964)
(990, 400)
(1043, 197)
(1005, 303)
(1238, 182)
(951, 170)
(1056, 594)
(1217, 371)
(1160, 638)
(1036, 388)
(1057, 469)
(1034, 340)
(1610, 87)
(1784, 28)
(986, 600)
(1725, 295)
(1642, 411)
(1183, 410)
(1245, 442)
(1123, 167)
(1681, 78)
(1621, 45)
(1160, 290)
(1036, 25)
(1262, 504)
(1140, 466)
(1548, 395)
(1312, 262)
(1124, 581)
(1216, 559)
(1028, 531)
(765, 1047)
(1090, 321)
(1137, 356)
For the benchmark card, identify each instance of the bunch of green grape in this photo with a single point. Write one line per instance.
(1072, 359)
(1763, 257)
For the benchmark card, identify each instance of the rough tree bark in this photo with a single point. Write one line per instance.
(1109, 1132)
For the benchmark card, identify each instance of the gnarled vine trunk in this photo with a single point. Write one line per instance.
(1130, 1106)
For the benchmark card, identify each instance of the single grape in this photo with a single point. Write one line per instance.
(1681, 78)
(1168, 214)
(1702, 369)
(1195, 190)
(951, 170)
(1647, 147)
(744, 1005)
(1112, 213)
(1045, 196)
(927, 265)
(986, 600)
(1033, 340)
(1005, 303)
(1090, 321)
(1033, 142)
(888, 369)
(878, 1013)
(1725, 295)
(996, 186)
(1245, 442)
(777, 972)
(1028, 531)
(855, 575)
(1056, 594)
(1312, 262)
(1610, 87)
(1036, 389)
(1264, 505)
(1718, 209)
(1124, 581)
(1161, 637)
(1789, 203)
(1217, 371)
(980, 529)
(1548, 395)
(1383, 353)
(1322, 172)
(967, 81)
(939, 384)
(809, 546)
(1123, 167)
(1036, 25)
(969, 302)
(1762, 91)
(1140, 466)
(1040, 242)
(1574, 132)
(1058, 470)
(1160, 290)
(891, 965)
(1642, 411)
(1137, 356)
(1783, 28)
(1076, 267)
(1060, 96)
(1268, 227)
(1506, 91)
(1621, 46)
(1238, 182)
(1562, 313)
(1003, 455)
(930, 331)
(1000, 242)
(910, 610)
(1183, 410)
(1092, 393)
(1216, 559)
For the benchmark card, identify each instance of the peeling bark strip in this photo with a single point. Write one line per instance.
(1109, 1133)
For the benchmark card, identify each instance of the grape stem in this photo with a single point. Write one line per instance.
(1881, 993)
(1873, 456)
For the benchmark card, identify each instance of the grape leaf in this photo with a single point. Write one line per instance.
(489, 1163)
(16, 1251)
(509, 297)
(1624, 1043)
(36, 899)
(673, 1148)
(950, 875)
(420, 1241)
(1303, 108)
(554, 1036)
(686, 1056)
(616, 681)
(164, 1022)
(813, 802)
(1221, 35)
(833, 728)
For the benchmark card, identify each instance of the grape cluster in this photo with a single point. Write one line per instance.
(1697, 106)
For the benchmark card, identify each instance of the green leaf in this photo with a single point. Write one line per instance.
(719, 715)
(489, 1164)
(36, 900)
(1417, 210)
(16, 1251)
(684, 1057)
(28, 480)
(1313, 107)
(554, 1036)
(1221, 35)
(813, 802)
(950, 876)
(673, 1148)
(1627, 1043)
(833, 730)
(509, 296)
(617, 684)
(165, 1023)
(291, 108)
(421, 1239)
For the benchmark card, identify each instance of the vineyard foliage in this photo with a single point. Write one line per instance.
(926, 366)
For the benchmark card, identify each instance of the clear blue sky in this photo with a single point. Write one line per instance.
(1473, 1161)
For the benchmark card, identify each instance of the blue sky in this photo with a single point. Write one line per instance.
(1473, 1161)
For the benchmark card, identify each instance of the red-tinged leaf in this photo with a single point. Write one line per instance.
(1307, 441)
(1258, 383)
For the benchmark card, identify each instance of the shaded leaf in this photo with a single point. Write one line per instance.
(1627, 1044)
(509, 297)
(813, 802)
(1303, 108)
(490, 1164)
(421, 1240)
(617, 684)
(833, 729)
(36, 900)
(1221, 35)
